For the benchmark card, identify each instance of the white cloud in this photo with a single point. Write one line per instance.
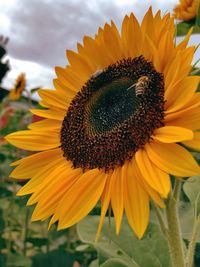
(40, 31)
(36, 74)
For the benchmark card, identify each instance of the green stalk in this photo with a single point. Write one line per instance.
(175, 242)
(26, 224)
(192, 244)
(161, 222)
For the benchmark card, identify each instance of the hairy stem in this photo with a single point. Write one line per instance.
(191, 248)
(26, 224)
(174, 234)
(161, 221)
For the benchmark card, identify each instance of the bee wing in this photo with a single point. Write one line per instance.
(133, 85)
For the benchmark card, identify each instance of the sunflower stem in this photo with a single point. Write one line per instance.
(29, 98)
(194, 72)
(177, 190)
(26, 224)
(191, 248)
(161, 222)
(194, 65)
(175, 241)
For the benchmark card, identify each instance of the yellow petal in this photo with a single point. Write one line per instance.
(80, 199)
(149, 51)
(54, 191)
(35, 140)
(45, 124)
(54, 98)
(69, 78)
(150, 191)
(35, 183)
(172, 77)
(105, 203)
(186, 60)
(136, 203)
(172, 158)
(166, 51)
(29, 166)
(124, 35)
(172, 134)
(117, 196)
(147, 25)
(55, 114)
(155, 177)
(99, 40)
(80, 65)
(94, 52)
(182, 93)
(184, 42)
(161, 24)
(134, 37)
(60, 86)
(195, 142)
(112, 43)
(82, 51)
(187, 118)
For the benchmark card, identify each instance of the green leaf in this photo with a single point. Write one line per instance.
(94, 263)
(198, 17)
(82, 247)
(17, 260)
(151, 251)
(192, 189)
(34, 90)
(186, 216)
(114, 263)
(53, 259)
(184, 27)
(37, 242)
(2, 157)
(196, 72)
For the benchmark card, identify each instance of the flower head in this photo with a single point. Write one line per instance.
(186, 9)
(18, 87)
(113, 126)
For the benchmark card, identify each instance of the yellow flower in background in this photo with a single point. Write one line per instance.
(186, 9)
(113, 126)
(18, 87)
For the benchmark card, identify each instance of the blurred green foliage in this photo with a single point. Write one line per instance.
(22, 243)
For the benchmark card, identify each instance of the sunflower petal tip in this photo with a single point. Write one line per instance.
(49, 227)
(117, 231)
(57, 70)
(97, 238)
(140, 235)
(7, 138)
(12, 164)
(34, 218)
(60, 226)
(69, 53)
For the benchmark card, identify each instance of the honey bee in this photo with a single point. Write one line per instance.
(141, 85)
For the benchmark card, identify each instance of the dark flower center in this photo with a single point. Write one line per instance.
(113, 115)
(111, 105)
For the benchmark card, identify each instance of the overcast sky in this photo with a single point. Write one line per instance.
(40, 31)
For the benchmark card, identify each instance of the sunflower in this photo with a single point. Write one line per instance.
(113, 127)
(18, 87)
(186, 9)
